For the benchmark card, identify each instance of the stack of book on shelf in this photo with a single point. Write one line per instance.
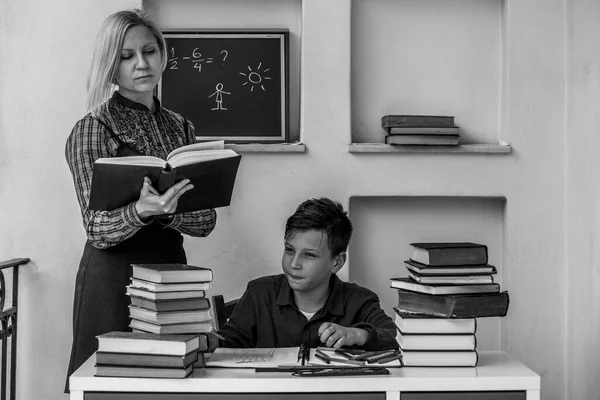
(169, 298)
(448, 286)
(432, 130)
(147, 355)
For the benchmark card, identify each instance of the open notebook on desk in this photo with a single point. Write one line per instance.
(283, 357)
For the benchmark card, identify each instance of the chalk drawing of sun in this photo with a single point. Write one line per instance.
(255, 78)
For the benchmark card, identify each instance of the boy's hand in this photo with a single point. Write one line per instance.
(336, 336)
(213, 342)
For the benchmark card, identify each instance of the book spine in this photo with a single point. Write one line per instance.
(388, 121)
(166, 179)
(480, 306)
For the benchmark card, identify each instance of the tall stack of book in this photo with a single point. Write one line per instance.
(430, 130)
(448, 286)
(170, 299)
(146, 355)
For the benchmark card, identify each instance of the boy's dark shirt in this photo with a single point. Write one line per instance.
(267, 316)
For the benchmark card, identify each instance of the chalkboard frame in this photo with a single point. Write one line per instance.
(282, 132)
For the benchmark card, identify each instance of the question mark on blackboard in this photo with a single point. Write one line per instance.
(225, 56)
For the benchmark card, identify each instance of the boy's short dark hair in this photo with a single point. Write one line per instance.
(325, 215)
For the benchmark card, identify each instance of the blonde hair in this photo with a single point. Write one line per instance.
(107, 54)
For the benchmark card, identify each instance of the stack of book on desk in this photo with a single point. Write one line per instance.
(169, 298)
(420, 130)
(146, 355)
(448, 286)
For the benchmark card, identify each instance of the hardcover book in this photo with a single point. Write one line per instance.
(449, 269)
(442, 289)
(142, 372)
(450, 279)
(117, 181)
(455, 305)
(147, 343)
(149, 295)
(147, 360)
(169, 317)
(424, 130)
(436, 342)
(204, 343)
(171, 273)
(419, 323)
(422, 140)
(169, 287)
(450, 253)
(412, 358)
(193, 327)
(399, 120)
(195, 303)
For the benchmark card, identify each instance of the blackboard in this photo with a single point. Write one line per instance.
(231, 85)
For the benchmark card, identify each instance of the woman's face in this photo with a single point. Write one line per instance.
(140, 67)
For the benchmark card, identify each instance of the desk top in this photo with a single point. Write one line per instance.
(496, 370)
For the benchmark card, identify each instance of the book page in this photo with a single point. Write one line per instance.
(192, 157)
(214, 145)
(133, 160)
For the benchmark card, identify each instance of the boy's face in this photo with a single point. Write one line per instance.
(307, 262)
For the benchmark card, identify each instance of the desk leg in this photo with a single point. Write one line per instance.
(394, 395)
(78, 395)
(533, 394)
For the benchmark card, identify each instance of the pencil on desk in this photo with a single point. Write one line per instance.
(319, 352)
(368, 354)
(397, 355)
(380, 356)
(324, 359)
(343, 353)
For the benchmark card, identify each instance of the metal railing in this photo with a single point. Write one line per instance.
(8, 326)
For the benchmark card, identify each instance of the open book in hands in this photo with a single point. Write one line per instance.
(117, 181)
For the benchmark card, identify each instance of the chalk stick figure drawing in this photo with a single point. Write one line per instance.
(219, 96)
(255, 78)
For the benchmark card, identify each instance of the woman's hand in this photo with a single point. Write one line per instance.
(336, 336)
(153, 203)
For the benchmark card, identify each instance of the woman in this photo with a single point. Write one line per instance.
(129, 56)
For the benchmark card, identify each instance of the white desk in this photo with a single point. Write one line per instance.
(498, 376)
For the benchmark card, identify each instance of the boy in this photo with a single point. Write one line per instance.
(308, 303)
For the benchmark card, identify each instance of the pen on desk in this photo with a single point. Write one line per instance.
(368, 354)
(343, 353)
(219, 336)
(397, 355)
(321, 353)
(324, 359)
(380, 356)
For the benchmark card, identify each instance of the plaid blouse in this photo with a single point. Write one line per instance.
(149, 133)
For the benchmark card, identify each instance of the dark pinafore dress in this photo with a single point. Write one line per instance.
(100, 304)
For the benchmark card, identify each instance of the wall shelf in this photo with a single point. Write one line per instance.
(461, 148)
(267, 147)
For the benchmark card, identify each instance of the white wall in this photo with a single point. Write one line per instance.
(385, 227)
(546, 106)
(582, 276)
(45, 50)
